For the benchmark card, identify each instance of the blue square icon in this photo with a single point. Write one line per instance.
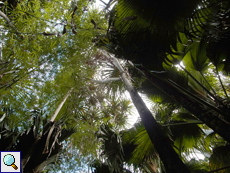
(10, 161)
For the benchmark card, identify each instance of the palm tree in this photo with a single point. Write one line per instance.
(147, 34)
(169, 157)
(133, 146)
(37, 149)
(138, 41)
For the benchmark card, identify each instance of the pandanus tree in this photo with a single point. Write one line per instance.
(159, 35)
(39, 147)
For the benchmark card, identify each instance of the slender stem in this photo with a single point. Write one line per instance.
(46, 148)
(4, 66)
(60, 105)
(6, 62)
(8, 72)
(217, 72)
(185, 123)
(225, 167)
(106, 80)
(8, 21)
(3, 117)
(208, 83)
(204, 111)
(15, 80)
(188, 93)
(198, 82)
(11, 82)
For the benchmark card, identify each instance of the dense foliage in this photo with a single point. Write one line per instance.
(65, 97)
(181, 48)
(46, 66)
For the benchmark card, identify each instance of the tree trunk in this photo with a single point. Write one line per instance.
(169, 157)
(211, 116)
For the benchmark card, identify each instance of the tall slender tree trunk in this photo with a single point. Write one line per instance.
(169, 157)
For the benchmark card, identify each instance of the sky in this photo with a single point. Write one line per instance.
(134, 117)
(99, 4)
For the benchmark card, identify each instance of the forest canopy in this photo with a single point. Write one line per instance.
(67, 70)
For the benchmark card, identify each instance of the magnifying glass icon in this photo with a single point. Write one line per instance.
(9, 160)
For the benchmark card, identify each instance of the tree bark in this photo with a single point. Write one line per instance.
(167, 154)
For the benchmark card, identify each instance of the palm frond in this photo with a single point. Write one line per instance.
(112, 147)
(220, 158)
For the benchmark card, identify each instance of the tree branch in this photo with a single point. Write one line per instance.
(106, 80)
(218, 75)
(60, 105)
(107, 5)
(3, 117)
(8, 21)
(8, 72)
(185, 123)
(219, 169)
